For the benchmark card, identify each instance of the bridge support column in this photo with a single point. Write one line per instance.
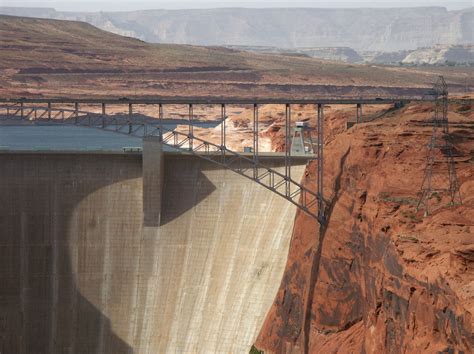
(255, 140)
(103, 115)
(359, 113)
(76, 112)
(152, 167)
(287, 149)
(320, 148)
(223, 129)
(160, 117)
(130, 112)
(191, 127)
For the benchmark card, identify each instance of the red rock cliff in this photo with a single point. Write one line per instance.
(381, 278)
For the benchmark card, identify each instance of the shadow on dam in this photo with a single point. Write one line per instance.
(41, 308)
(55, 212)
(184, 187)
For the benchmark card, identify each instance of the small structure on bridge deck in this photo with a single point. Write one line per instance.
(301, 141)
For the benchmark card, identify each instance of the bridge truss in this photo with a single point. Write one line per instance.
(310, 201)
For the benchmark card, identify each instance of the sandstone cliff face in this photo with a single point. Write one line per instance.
(361, 29)
(441, 55)
(344, 54)
(380, 278)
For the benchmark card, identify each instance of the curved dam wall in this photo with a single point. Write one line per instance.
(81, 272)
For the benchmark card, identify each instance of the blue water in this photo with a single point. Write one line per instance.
(63, 138)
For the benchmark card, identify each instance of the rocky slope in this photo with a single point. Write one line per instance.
(380, 278)
(437, 55)
(344, 54)
(361, 29)
(75, 58)
(385, 57)
(441, 55)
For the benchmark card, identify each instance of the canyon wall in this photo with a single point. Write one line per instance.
(380, 277)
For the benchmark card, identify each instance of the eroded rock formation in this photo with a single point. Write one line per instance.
(380, 278)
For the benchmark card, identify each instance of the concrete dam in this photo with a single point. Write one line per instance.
(87, 266)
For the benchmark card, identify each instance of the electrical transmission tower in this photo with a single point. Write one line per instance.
(440, 155)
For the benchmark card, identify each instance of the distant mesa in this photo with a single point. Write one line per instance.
(378, 36)
(455, 54)
(383, 30)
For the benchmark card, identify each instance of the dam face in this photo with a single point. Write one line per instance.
(81, 271)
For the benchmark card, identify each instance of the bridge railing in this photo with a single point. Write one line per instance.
(17, 112)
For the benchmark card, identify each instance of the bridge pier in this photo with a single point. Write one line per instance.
(76, 112)
(320, 148)
(223, 129)
(287, 149)
(160, 117)
(190, 126)
(130, 113)
(152, 167)
(351, 123)
(359, 113)
(255, 140)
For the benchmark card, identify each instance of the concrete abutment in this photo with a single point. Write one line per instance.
(152, 167)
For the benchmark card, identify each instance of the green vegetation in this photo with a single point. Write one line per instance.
(436, 196)
(408, 238)
(465, 108)
(409, 214)
(254, 350)
(399, 200)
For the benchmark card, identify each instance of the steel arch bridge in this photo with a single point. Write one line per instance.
(312, 202)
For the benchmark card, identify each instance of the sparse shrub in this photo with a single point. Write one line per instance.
(399, 200)
(436, 196)
(464, 108)
(254, 350)
(410, 215)
(408, 238)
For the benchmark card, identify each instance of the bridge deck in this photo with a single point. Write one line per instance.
(217, 100)
(247, 165)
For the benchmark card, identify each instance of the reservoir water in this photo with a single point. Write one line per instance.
(63, 138)
(72, 138)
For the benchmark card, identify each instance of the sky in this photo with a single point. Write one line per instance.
(121, 5)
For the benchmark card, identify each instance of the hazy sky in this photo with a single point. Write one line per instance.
(121, 5)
